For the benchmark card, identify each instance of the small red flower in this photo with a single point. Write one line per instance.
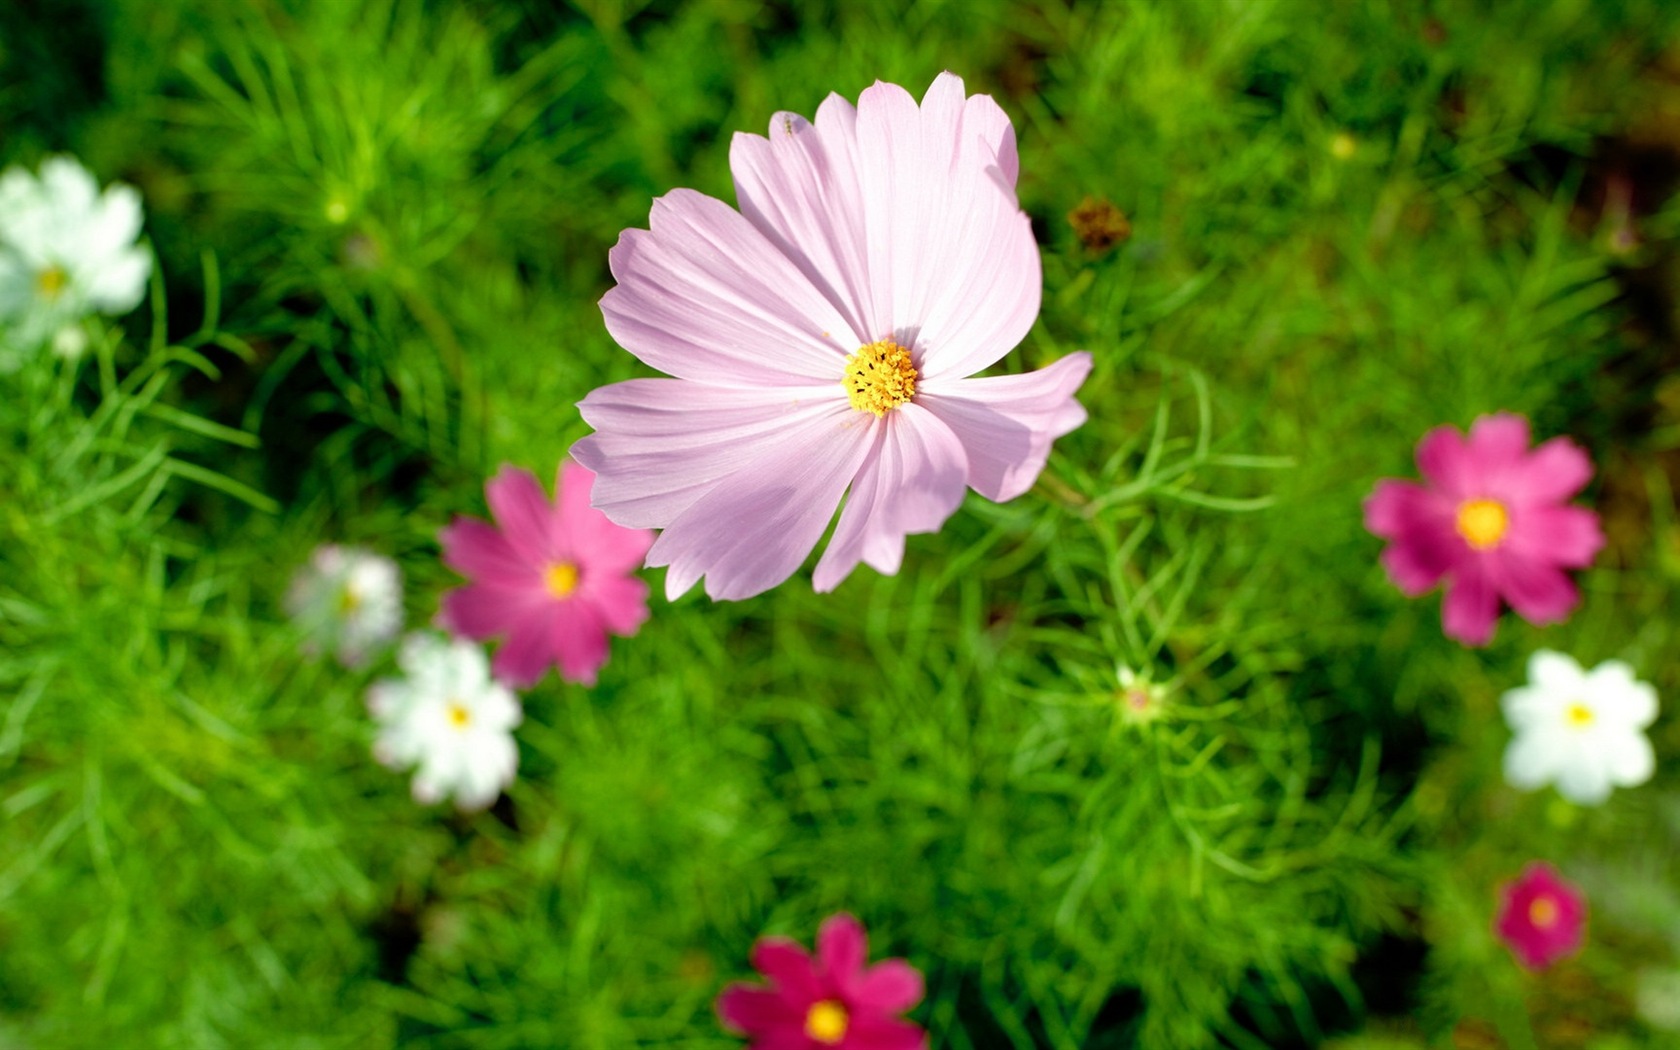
(832, 1002)
(1541, 917)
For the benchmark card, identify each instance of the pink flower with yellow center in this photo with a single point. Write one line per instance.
(553, 578)
(1492, 522)
(821, 341)
(1542, 917)
(832, 1002)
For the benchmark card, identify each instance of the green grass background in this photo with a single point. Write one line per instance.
(382, 230)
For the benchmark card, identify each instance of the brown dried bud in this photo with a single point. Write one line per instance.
(1099, 224)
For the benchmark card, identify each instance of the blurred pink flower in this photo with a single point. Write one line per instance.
(832, 1001)
(823, 338)
(1492, 521)
(1541, 916)
(553, 578)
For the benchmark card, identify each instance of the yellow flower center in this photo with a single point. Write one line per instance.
(561, 579)
(880, 377)
(459, 716)
(51, 282)
(1579, 715)
(826, 1022)
(348, 601)
(1542, 912)
(1482, 522)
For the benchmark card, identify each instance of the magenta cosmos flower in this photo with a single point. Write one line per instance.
(1541, 917)
(832, 1001)
(1492, 521)
(554, 578)
(822, 338)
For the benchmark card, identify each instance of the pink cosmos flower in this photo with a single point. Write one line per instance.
(553, 578)
(1492, 521)
(832, 1001)
(821, 339)
(1541, 916)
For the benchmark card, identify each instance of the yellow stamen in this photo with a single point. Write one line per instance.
(561, 579)
(1482, 522)
(1579, 715)
(51, 282)
(1543, 912)
(880, 377)
(348, 601)
(459, 716)
(826, 1022)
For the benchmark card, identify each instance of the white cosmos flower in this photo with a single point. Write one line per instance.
(66, 251)
(450, 718)
(1582, 730)
(348, 602)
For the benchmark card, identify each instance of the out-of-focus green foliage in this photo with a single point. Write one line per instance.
(382, 229)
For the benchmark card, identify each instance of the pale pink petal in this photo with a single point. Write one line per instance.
(800, 187)
(986, 120)
(1566, 536)
(890, 987)
(761, 1013)
(1540, 593)
(751, 530)
(1552, 473)
(1471, 607)
(619, 601)
(529, 650)
(703, 295)
(842, 947)
(484, 610)
(587, 537)
(660, 444)
(1444, 460)
(1497, 448)
(522, 510)
(579, 642)
(789, 969)
(476, 548)
(911, 481)
(1007, 423)
(951, 253)
(883, 1033)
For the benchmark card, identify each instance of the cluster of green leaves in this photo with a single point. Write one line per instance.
(1352, 223)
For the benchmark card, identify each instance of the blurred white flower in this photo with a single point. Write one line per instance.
(1582, 730)
(66, 251)
(348, 602)
(449, 717)
(1659, 999)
